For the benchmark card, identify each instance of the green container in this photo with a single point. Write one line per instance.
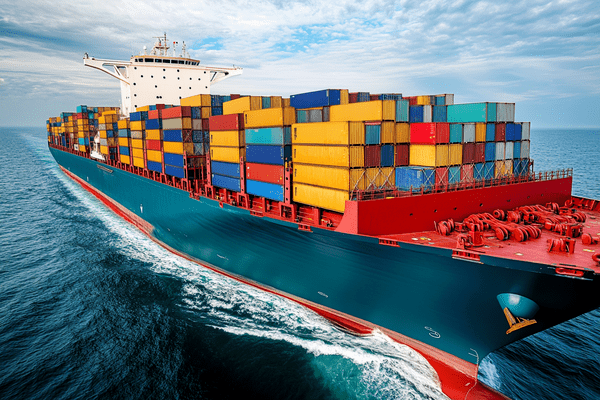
(472, 112)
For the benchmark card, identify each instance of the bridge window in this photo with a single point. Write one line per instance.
(158, 60)
(148, 59)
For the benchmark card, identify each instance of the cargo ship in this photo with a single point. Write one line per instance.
(414, 216)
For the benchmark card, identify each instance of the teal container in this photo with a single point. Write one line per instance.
(402, 110)
(301, 116)
(276, 136)
(456, 133)
(490, 132)
(372, 134)
(472, 112)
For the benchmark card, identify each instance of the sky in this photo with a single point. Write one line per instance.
(542, 55)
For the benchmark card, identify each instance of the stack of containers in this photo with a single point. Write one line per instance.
(177, 139)
(330, 157)
(109, 137)
(429, 151)
(314, 106)
(268, 148)
(83, 129)
(227, 150)
(200, 122)
(402, 133)
(124, 141)
(153, 142)
(137, 128)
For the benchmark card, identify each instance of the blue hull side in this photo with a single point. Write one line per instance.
(415, 290)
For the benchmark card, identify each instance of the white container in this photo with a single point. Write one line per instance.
(469, 133)
(509, 150)
(525, 132)
(505, 112)
(500, 147)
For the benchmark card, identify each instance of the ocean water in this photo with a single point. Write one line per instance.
(91, 308)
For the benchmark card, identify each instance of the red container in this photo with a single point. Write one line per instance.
(232, 122)
(412, 100)
(153, 145)
(466, 173)
(441, 176)
(430, 133)
(186, 136)
(468, 153)
(160, 106)
(479, 153)
(372, 156)
(177, 112)
(374, 97)
(265, 173)
(353, 97)
(235, 96)
(205, 124)
(500, 132)
(401, 156)
(155, 114)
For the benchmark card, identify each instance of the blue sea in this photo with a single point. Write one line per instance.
(91, 308)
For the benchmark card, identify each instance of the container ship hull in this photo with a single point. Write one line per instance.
(414, 293)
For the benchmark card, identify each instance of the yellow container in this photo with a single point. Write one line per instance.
(388, 132)
(334, 156)
(144, 108)
(329, 199)
(173, 147)
(137, 125)
(153, 134)
(138, 153)
(189, 148)
(480, 132)
(503, 168)
(137, 143)
(423, 100)
(402, 132)
(123, 141)
(123, 123)
(206, 112)
(344, 96)
(270, 117)
(112, 141)
(83, 149)
(331, 133)
(111, 118)
(379, 178)
(154, 155)
(101, 119)
(455, 156)
(102, 134)
(227, 154)
(139, 162)
(380, 110)
(429, 155)
(104, 149)
(199, 100)
(276, 102)
(285, 102)
(124, 159)
(227, 138)
(330, 177)
(242, 104)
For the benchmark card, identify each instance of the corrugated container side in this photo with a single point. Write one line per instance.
(402, 132)
(500, 133)
(468, 156)
(329, 199)
(388, 131)
(230, 122)
(340, 156)
(227, 154)
(402, 111)
(173, 147)
(227, 138)
(479, 171)
(320, 98)
(489, 169)
(154, 155)
(199, 100)
(429, 133)
(505, 112)
(372, 134)
(466, 173)
(242, 104)
(265, 173)
(510, 131)
(500, 149)
(380, 110)
(469, 133)
(525, 148)
(175, 160)
(330, 133)
(441, 176)
(270, 117)
(429, 155)
(265, 154)
(456, 133)
(387, 155)
(153, 134)
(125, 159)
(137, 153)
(526, 129)
(456, 154)
(223, 168)
(517, 150)
(330, 177)
(490, 132)
(480, 131)
(372, 156)
(509, 150)
(472, 112)
(271, 136)
(518, 131)
(265, 189)
(414, 178)
(402, 155)
(226, 182)
(490, 151)
(439, 114)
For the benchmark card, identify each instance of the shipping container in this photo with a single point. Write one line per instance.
(227, 154)
(269, 117)
(229, 122)
(468, 156)
(510, 131)
(509, 150)
(265, 154)
(500, 132)
(176, 112)
(454, 174)
(490, 132)
(500, 150)
(329, 199)
(154, 155)
(320, 98)
(466, 173)
(271, 136)
(337, 156)
(441, 176)
(525, 148)
(265, 189)
(138, 162)
(480, 152)
(402, 111)
(480, 132)
(402, 132)
(380, 110)
(173, 147)
(175, 160)
(380, 178)
(439, 114)
(472, 112)
(329, 133)
(122, 150)
(429, 155)
(402, 155)
(469, 133)
(237, 106)
(456, 133)
(372, 156)
(226, 182)
(153, 134)
(456, 154)
(490, 151)
(420, 114)
(225, 169)
(330, 177)
(388, 132)
(155, 166)
(227, 138)
(265, 173)
(199, 100)
(415, 178)
(429, 133)
(387, 155)
(505, 112)
(517, 150)
(125, 159)
(372, 133)
(137, 153)
(525, 131)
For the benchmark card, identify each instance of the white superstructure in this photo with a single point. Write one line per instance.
(160, 78)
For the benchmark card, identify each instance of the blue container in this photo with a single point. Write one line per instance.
(272, 136)
(226, 182)
(172, 135)
(416, 114)
(264, 154)
(387, 155)
(154, 124)
(440, 100)
(320, 98)
(196, 113)
(175, 160)
(415, 178)
(124, 150)
(518, 132)
(490, 151)
(390, 96)
(490, 132)
(402, 113)
(439, 114)
(81, 141)
(479, 171)
(217, 110)
(225, 99)
(372, 134)
(231, 170)
(264, 189)
(454, 174)
(363, 97)
(266, 102)
(81, 109)
(115, 126)
(155, 166)
(197, 136)
(174, 171)
(111, 134)
(216, 100)
(301, 116)
(517, 150)
(135, 116)
(64, 142)
(488, 170)
(456, 133)
(199, 149)
(510, 132)
(152, 107)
